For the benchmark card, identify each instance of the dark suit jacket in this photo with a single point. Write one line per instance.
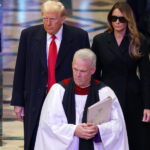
(119, 71)
(30, 79)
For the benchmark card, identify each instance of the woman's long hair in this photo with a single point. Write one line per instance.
(135, 35)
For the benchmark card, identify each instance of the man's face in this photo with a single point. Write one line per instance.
(82, 72)
(52, 21)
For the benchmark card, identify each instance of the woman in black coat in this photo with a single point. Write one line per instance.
(121, 51)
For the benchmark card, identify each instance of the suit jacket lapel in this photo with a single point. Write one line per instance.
(64, 46)
(41, 46)
(112, 43)
(124, 45)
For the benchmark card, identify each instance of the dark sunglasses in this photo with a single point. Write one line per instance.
(115, 18)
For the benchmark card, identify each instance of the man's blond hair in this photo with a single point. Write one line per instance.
(51, 5)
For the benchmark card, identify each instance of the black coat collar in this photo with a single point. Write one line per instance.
(65, 46)
(121, 50)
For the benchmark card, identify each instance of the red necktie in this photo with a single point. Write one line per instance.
(52, 56)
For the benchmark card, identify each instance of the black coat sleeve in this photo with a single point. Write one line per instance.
(95, 48)
(144, 71)
(19, 75)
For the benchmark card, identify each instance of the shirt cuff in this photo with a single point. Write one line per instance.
(97, 138)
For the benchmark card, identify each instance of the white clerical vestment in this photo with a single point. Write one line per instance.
(54, 133)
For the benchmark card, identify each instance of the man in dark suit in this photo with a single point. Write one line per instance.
(31, 72)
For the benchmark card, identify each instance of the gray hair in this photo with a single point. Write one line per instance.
(86, 54)
(51, 5)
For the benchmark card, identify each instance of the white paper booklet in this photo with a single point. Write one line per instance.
(100, 112)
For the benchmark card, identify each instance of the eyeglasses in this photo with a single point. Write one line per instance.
(115, 18)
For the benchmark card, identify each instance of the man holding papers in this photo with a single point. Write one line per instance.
(63, 122)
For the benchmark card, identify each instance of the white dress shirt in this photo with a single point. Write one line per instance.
(57, 40)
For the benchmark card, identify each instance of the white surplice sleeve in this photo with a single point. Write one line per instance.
(113, 133)
(54, 132)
